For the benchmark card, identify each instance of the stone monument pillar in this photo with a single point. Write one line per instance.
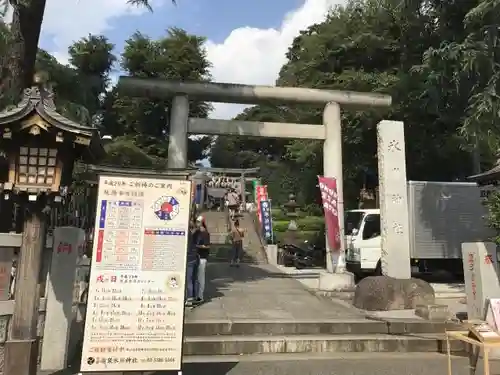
(178, 135)
(61, 282)
(393, 189)
(480, 276)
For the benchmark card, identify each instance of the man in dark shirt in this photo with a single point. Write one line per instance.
(203, 247)
(192, 262)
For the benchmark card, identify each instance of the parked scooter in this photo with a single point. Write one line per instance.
(305, 255)
(287, 254)
(309, 256)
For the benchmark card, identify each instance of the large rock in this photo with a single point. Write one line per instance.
(384, 293)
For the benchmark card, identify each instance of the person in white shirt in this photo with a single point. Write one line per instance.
(233, 200)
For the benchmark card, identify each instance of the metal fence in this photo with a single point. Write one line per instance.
(77, 210)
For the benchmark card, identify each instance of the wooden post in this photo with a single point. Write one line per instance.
(21, 350)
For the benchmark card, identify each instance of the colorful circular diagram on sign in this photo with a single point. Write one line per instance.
(166, 208)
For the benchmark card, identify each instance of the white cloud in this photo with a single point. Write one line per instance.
(248, 55)
(255, 56)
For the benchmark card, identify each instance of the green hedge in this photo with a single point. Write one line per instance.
(306, 224)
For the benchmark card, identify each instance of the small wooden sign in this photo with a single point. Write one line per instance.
(483, 332)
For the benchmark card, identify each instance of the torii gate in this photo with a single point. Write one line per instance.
(181, 125)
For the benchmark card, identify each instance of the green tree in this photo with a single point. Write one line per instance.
(380, 46)
(462, 74)
(93, 59)
(144, 122)
(17, 65)
(79, 87)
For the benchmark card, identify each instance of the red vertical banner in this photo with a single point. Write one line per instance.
(328, 188)
(261, 195)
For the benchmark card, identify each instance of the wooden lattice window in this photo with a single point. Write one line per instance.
(37, 166)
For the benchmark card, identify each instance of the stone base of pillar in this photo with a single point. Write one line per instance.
(272, 254)
(336, 282)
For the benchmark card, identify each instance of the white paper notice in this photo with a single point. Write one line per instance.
(136, 292)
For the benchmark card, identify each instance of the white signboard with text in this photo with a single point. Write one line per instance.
(135, 310)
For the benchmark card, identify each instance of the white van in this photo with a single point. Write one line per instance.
(363, 241)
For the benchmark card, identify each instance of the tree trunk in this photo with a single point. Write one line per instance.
(18, 64)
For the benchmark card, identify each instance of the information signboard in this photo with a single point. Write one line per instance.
(135, 310)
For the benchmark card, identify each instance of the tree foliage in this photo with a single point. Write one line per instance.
(17, 64)
(139, 127)
(145, 121)
(437, 59)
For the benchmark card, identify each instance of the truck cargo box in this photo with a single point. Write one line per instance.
(443, 215)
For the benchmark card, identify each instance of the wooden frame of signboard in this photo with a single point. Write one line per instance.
(464, 336)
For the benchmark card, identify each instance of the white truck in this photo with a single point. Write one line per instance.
(443, 215)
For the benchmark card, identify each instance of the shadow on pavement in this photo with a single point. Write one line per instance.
(187, 369)
(206, 368)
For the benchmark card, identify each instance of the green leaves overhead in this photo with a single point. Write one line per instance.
(437, 59)
(139, 126)
(177, 56)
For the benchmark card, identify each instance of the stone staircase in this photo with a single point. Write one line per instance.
(217, 224)
(243, 338)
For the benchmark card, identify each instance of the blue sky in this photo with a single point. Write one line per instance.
(213, 19)
(246, 39)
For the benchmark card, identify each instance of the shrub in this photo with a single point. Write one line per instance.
(311, 223)
(307, 224)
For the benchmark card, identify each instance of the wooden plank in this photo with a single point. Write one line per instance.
(7, 307)
(16, 239)
(21, 357)
(23, 343)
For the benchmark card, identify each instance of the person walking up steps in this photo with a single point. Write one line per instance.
(233, 201)
(237, 235)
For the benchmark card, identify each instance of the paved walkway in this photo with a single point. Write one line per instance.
(332, 364)
(262, 292)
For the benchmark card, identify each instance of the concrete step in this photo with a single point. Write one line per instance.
(299, 357)
(334, 364)
(243, 345)
(246, 327)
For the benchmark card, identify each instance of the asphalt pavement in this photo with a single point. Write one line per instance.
(327, 364)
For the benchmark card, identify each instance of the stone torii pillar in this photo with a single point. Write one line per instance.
(332, 167)
(178, 135)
